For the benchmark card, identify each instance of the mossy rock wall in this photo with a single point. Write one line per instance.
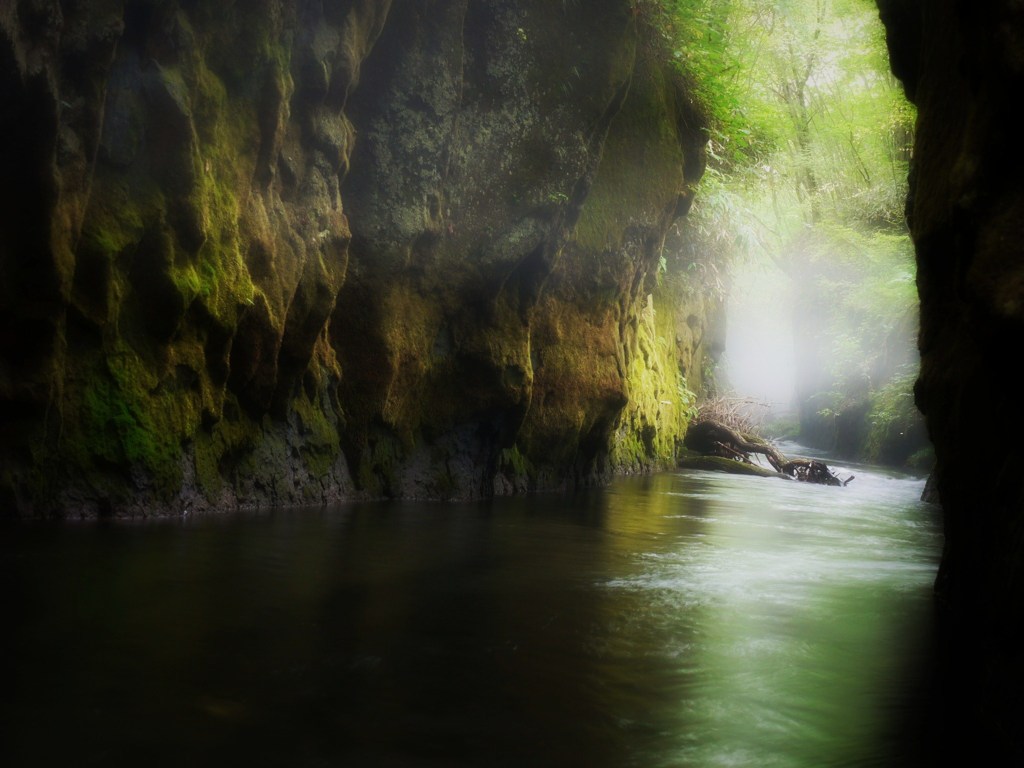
(275, 252)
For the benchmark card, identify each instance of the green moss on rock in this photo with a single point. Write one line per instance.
(417, 245)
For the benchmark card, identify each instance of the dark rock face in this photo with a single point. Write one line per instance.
(963, 65)
(279, 252)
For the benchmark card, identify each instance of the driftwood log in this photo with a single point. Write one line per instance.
(812, 471)
(714, 439)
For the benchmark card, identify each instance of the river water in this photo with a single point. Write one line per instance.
(681, 619)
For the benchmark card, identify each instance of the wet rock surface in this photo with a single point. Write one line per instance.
(282, 252)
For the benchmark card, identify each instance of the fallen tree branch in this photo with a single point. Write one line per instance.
(711, 438)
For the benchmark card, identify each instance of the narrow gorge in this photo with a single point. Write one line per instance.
(290, 252)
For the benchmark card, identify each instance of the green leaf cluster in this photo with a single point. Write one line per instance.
(712, 42)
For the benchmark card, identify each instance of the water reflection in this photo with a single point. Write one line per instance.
(676, 620)
(798, 612)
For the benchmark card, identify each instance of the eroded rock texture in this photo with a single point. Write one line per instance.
(963, 65)
(281, 251)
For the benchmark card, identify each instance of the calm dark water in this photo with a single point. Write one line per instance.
(675, 620)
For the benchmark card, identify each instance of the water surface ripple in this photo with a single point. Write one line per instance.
(682, 619)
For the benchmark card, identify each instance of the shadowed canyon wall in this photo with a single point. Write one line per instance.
(286, 251)
(963, 66)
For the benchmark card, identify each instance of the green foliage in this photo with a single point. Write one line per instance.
(687, 399)
(781, 428)
(807, 116)
(721, 229)
(895, 432)
(858, 298)
(711, 41)
(807, 166)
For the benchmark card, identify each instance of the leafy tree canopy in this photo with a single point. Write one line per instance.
(808, 155)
